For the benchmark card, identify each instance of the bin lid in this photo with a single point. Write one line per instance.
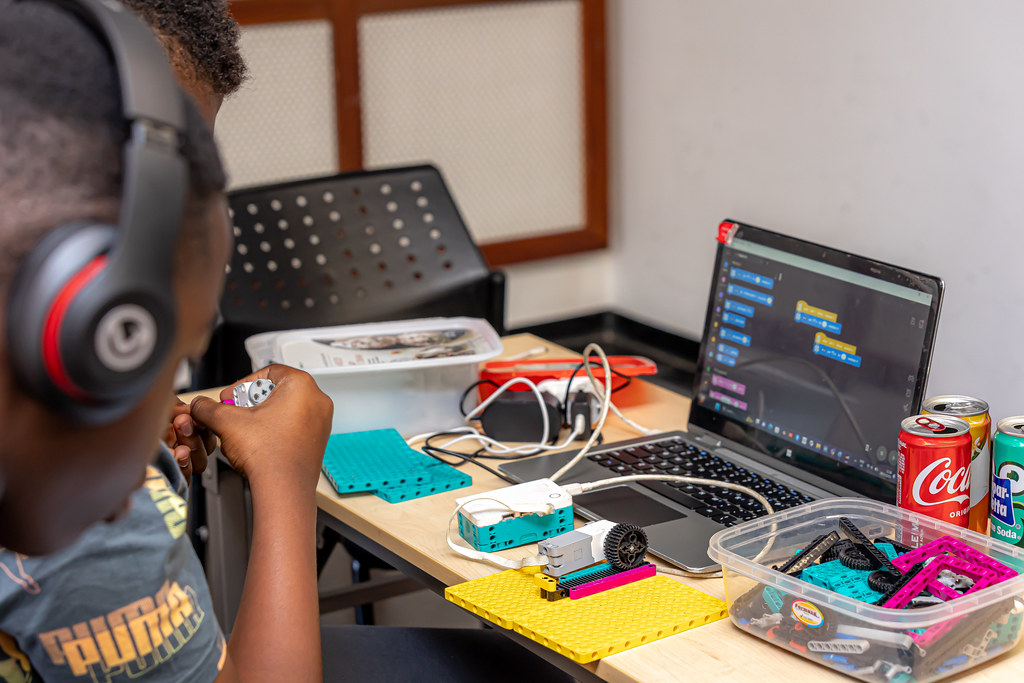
(375, 347)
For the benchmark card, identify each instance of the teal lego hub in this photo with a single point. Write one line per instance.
(489, 522)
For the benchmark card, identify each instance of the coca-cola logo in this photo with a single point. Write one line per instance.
(938, 484)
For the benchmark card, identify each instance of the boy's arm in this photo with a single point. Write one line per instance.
(278, 445)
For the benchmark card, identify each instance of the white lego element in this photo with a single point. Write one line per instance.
(597, 532)
(845, 646)
(575, 550)
(900, 640)
(542, 496)
(249, 394)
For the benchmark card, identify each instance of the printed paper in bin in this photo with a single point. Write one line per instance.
(381, 461)
(593, 627)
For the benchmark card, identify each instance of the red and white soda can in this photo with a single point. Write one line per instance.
(933, 476)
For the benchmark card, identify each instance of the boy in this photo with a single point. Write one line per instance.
(127, 600)
(75, 614)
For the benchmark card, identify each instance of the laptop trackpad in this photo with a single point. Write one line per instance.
(682, 542)
(623, 505)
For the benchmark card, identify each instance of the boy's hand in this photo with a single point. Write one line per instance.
(281, 439)
(190, 444)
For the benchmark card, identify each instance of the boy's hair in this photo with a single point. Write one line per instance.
(201, 38)
(62, 132)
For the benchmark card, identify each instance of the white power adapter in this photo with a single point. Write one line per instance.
(558, 386)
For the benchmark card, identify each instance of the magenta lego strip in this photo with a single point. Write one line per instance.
(620, 579)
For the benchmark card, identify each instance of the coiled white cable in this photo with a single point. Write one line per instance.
(492, 558)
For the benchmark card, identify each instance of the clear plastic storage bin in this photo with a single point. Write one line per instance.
(854, 637)
(407, 375)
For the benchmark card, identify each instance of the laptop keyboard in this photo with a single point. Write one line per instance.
(675, 456)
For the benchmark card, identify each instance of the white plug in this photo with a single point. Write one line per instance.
(558, 386)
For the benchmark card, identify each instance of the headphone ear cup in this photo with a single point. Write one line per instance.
(43, 276)
(58, 351)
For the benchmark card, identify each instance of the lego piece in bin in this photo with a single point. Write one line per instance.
(958, 549)
(926, 580)
(809, 555)
(898, 640)
(908, 576)
(772, 599)
(856, 646)
(877, 557)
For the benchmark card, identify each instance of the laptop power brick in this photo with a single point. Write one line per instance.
(489, 521)
(516, 416)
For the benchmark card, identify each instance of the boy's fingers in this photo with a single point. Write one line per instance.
(209, 413)
(196, 448)
(184, 458)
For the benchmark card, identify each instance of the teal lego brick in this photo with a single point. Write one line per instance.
(367, 461)
(439, 477)
(584, 573)
(772, 599)
(516, 531)
(888, 549)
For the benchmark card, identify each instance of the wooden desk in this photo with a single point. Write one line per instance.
(411, 535)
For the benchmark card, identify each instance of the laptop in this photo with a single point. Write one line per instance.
(809, 360)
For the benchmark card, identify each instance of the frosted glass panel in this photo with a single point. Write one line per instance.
(491, 94)
(282, 124)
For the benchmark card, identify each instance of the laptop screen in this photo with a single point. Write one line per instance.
(813, 356)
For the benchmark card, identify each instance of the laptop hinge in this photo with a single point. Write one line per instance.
(708, 440)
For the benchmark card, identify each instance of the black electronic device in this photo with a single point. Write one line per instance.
(91, 314)
(516, 416)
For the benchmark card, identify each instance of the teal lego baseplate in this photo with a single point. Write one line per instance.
(380, 461)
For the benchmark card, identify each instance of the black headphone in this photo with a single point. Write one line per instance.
(91, 315)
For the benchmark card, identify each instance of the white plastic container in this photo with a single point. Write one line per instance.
(825, 616)
(408, 375)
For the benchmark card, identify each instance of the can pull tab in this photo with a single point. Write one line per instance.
(930, 424)
(726, 231)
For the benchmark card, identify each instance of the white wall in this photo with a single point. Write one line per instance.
(892, 129)
(554, 289)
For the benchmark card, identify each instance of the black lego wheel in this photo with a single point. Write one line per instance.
(833, 552)
(625, 546)
(853, 558)
(882, 581)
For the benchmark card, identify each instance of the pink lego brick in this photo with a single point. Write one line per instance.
(982, 577)
(958, 549)
(620, 579)
(933, 633)
(927, 579)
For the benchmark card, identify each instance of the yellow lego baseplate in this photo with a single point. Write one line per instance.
(592, 627)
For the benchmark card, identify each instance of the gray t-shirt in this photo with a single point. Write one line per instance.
(127, 601)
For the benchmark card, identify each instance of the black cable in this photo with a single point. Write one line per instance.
(465, 457)
(471, 387)
(568, 386)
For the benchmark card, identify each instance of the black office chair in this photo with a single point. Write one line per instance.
(358, 247)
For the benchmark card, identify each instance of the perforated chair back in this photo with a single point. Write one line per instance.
(356, 247)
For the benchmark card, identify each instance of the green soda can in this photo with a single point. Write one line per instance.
(1007, 494)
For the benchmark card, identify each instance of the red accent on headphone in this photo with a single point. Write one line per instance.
(55, 320)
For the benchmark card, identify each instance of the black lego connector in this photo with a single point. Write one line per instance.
(878, 559)
(515, 416)
(809, 555)
(582, 403)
